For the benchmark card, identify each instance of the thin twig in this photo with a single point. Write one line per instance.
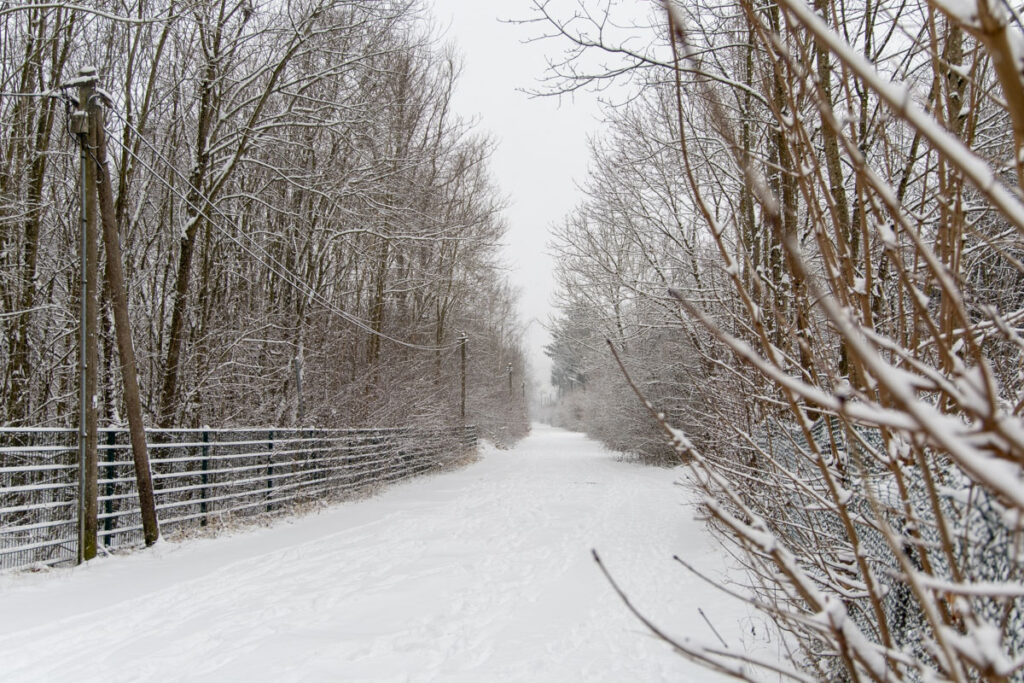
(712, 627)
(702, 654)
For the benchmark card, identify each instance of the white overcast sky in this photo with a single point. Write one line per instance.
(541, 152)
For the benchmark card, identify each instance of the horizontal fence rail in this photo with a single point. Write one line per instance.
(199, 475)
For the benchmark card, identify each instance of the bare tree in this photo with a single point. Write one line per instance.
(849, 168)
(291, 187)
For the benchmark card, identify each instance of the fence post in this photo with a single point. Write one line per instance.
(270, 467)
(307, 456)
(203, 505)
(108, 504)
(320, 461)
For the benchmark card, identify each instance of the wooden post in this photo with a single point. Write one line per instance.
(462, 405)
(80, 126)
(122, 324)
(88, 435)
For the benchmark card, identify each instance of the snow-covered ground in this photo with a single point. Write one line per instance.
(482, 574)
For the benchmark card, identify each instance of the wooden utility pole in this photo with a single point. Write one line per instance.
(89, 351)
(122, 324)
(462, 406)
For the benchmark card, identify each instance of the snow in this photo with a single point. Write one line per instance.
(964, 11)
(680, 441)
(480, 574)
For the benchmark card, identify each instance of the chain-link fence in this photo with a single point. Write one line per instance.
(984, 542)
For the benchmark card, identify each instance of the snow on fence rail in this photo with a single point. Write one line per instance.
(198, 475)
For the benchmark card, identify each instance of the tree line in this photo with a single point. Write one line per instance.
(802, 236)
(307, 228)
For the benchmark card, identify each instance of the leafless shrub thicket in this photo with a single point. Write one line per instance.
(803, 236)
(291, 189)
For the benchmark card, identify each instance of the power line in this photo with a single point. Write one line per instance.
(80, 8)
(30, 94)
(266, 259)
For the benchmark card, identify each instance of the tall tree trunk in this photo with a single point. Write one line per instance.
(377, 306)
(196, 204)
(19, 369)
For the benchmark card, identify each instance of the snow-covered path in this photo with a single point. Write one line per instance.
(483, 574)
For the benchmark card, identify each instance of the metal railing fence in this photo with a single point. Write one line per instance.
(199, 475)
